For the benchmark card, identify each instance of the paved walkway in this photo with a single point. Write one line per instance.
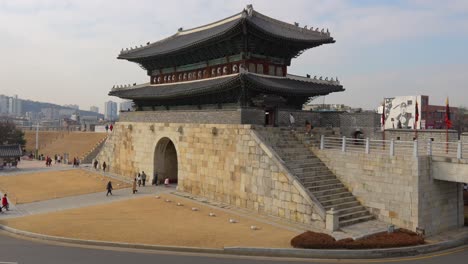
(81, 201)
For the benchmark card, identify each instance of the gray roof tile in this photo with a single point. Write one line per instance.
(10, 151)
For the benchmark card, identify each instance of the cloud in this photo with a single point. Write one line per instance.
(68, 48)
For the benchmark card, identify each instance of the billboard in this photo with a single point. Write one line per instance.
(400, 112)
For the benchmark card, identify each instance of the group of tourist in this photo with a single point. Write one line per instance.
(58, 159)
(76, 162)
(308, 125)
(96, 165)
(139, 180)
(107, 127)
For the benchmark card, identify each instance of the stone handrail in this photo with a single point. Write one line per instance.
(282, 166)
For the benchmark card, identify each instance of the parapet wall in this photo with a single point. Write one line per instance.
(225, 163)
(398, 190)
(423, 135)
(212, 116)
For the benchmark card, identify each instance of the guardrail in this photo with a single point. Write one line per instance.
(451, 149)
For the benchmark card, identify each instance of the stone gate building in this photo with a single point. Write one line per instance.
(208, 120)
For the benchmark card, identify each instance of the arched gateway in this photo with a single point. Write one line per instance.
(165, 160)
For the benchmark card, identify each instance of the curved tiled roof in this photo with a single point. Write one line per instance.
(273, 84)
(10, 151)
(196, 36)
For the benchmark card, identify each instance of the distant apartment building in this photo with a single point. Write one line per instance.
(94, 109)
(110, 110)
(73, 106)
(126, 106)
(4, 104)
(14, 106)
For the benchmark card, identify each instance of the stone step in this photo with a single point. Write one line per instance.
(353, 215)
(306, 164)
(320, 182)
(326, 187)
(310, 169)
(294, 152)
(308, 178)
(334, 196)
(344, 205)
(337, 200)
(311, 174)
(299, 158)
(311, 184)
(329, 191)
(353, 221)
(350, 210)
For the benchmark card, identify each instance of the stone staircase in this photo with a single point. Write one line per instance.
(91, 155)
(315, 176)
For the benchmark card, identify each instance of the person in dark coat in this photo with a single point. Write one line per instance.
(134, 187)
(109, 188)
(143, 178)
(104, 165)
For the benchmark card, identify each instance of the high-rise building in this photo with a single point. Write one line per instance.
(94, 109)
(14, 106)
(126, 105)
(110, 110)
(4, 102)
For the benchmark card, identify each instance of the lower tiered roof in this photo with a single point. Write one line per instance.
(289, 85)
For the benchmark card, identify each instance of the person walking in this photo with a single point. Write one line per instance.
(95, 164)
(143, 177)
(111, 127)
(107, 128)
(139, 179)
(104, 166)
(5, 203)
(134, 187)
(109, 188)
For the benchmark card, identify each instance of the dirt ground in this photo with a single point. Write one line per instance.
(149, 220)
(41, 186)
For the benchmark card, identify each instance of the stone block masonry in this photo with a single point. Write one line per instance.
(398, 190)
(222, 162)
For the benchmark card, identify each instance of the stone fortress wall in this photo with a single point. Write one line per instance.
(399, 189)
(222, 162)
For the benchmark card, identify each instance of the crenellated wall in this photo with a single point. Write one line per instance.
(225, 163)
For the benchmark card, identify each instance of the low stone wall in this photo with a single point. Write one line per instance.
(398, 190)
(437, 135)
(229, 164)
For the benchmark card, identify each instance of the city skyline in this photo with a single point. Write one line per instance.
(383, 49)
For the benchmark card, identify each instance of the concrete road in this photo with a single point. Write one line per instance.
(26, 251)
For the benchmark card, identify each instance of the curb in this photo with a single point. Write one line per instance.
(108, 243)
(266, 252)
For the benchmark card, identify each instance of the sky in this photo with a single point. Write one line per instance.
(65, 52)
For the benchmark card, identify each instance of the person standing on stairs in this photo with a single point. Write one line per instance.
(292, 121)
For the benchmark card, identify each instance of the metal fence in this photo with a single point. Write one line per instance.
(451, 149)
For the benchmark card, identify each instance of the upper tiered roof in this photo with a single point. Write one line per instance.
(247, 31)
